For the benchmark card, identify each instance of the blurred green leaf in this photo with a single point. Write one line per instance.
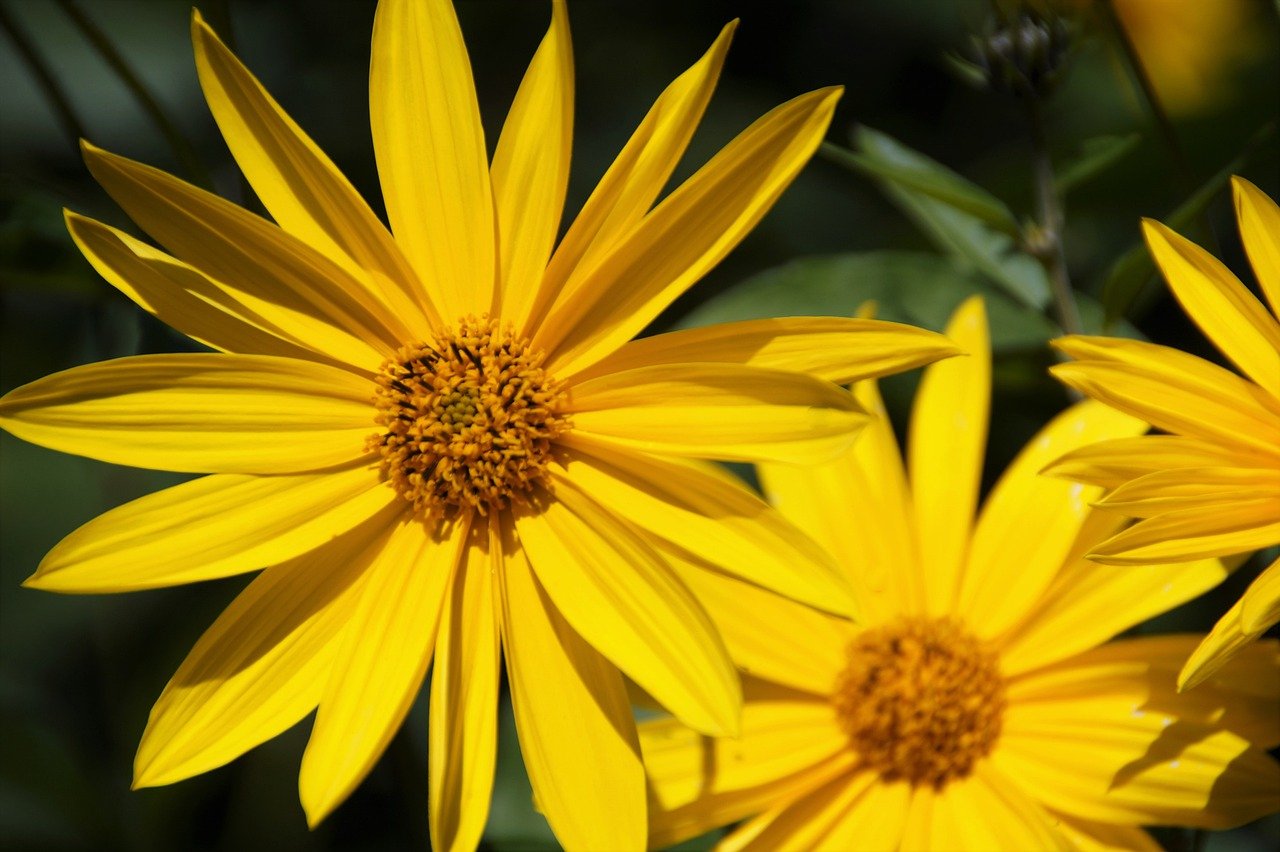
(1129, 275)
(1096, 156)
(884, 158)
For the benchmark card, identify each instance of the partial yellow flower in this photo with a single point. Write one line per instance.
(442, 444)
(1211, 486)
(974, 702)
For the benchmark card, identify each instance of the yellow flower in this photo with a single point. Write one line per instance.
(974, 701)
(1211, 486)
(443, 443)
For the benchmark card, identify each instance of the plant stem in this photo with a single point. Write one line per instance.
(45, 78)
(1047, 243)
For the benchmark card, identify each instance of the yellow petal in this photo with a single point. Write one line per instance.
(710, 516)
(685, 236)
(616, 592)
(1087, 836)
(1190, 488)
(291, 285)
(1112, 463)
(989, 811)
(262, 665)
(858, 508)
(200, 413)
(1030, 522)
(431, 155)
(947, 442)
(1226, 312)
(1158, 383)
(1233, 633)
(576, 731)
(531, 167)
(1259, 229)
(722, 411)
(183, 297)
(633, 181)
(301, 187)
(1188, 534)
(380, 660)
(767, 635)
(210, 527)
(831, 348)
(463, 744)
(852, 812)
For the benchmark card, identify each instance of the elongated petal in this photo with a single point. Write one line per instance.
(831, 348)
(276, 275)
(1112, 463)
(1029, 521)
(685, 236)
(300, 186)
(262, 665)
(531, 167)
(1087, 836)
(947, 442)
(858, 508)
(711, 517)
(197, 413)
(381, 659)
(576, 731)
(1262, 600)
(1232, 633)
(181, 296)
(210, 527)
(854, 811)
(989, 811)
(1226, 312)
(431, 155)
(619, 595)
(1259, 225)
(1191, 488)
(722, 411)
(1154, 383)
(463, 744)
(1197, 533)
(633, 181)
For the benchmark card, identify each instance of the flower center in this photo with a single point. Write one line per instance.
(468, 420)
(921, 699)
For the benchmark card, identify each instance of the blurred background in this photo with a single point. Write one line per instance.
(78, 674)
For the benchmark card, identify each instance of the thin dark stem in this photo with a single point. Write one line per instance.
(1047, 242)
(181, 147)
(48, 83)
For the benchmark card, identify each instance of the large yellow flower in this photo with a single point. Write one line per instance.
(444, 443)
(972, 703)
(1211, 486)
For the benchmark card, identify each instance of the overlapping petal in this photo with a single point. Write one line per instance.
(1185, 534)
(1113, 463)
(1233, 632)
(1259, 226)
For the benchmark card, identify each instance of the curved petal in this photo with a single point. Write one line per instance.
(530, 170)
(198, 413)
(262, 665)
(301, 187)
(575, 726)
(633, 181)
(463, 743)
(1087, 836)
(1187, 534)
(722, 411)
(380, 661)
(852, 812)
(1232, 633)
(1113, 463)
(1191, 488)
(210, 527)
(1259, 225)
(618, 594)
(1030, 522)
(1262, 600)
(830, 348)
(274, 274)
(432, 162)
(685, 236)
(988, 811)
(710, 516)
(1226, 312)
(947, 441)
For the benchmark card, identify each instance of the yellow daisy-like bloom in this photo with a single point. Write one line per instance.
(974, 701)
(1211, 486)
(443, 444)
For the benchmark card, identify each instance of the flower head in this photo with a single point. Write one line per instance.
(973, 702)
(1210, 486)
(441, 443)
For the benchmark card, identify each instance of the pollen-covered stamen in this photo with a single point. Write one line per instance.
(468, 420)
(921, 699)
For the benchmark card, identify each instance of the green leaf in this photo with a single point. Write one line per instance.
(1096, 156)
(884, 158)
